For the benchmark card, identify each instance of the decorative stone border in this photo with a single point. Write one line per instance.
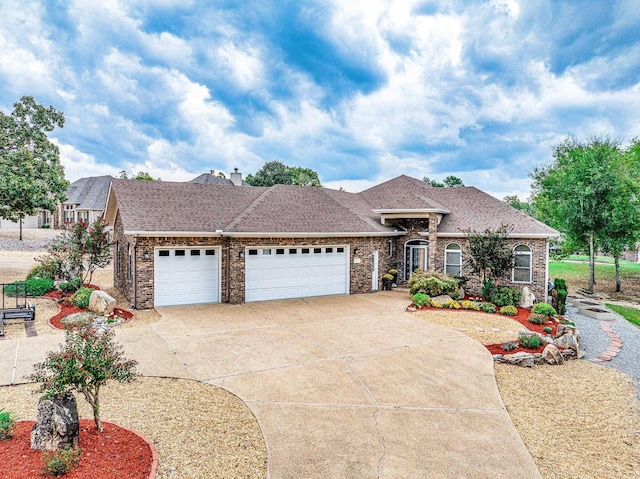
(615, 344)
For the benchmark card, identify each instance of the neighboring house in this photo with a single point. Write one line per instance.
(632, 254)
(235, 179)
(186, 243)
(86, 199)
(29, 222)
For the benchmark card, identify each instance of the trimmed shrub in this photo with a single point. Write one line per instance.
(81, 297)
(536, 318)
(6, 424)
(32, 287)
(529, 341)
(432, 283)
(488, 307)
(453, 304)
(472, 305)
(504, 296)
(436, 304)
(58, 463)
(40, 270)
(509, 310)
(70, 286)
(547, 329)
(420, 300)
(544, 309)
(559, 295)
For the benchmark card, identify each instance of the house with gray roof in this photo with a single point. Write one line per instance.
(86, 199)
(200, 242)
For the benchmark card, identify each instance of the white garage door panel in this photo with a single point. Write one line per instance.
(295, 275)
(189, 279)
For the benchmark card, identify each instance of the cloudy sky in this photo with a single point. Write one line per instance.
(360, 91)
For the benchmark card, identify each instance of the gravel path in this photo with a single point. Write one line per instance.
(11, 244)
(595, 342)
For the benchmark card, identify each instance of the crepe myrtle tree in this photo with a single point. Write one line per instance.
(80, 250)
(489, 252)
(86, 361)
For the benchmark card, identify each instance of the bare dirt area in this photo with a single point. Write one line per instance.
(577, 420)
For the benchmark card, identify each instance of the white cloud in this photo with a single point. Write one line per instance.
(80, 165)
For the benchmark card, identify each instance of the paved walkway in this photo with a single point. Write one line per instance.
(342, 387)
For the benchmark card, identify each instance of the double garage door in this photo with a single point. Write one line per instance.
(186, 276)
(192, 275)
(295, 272)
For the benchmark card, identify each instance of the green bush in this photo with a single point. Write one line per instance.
(504, 296)
(432, 283)
(40, 271)
(547, 329)
(49, 267)
(33, 287)
(70, 286)
(487, 286)
(6, 424)
(81, 297)
(544, 308)
(420, 300)
(536, 318)
(58, 463)
(488, 307)
(559, 295)
(529, 341)
(509, 310)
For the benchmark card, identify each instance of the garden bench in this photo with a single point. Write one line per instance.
(19, 310)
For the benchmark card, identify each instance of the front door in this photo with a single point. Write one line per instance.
(418, 257)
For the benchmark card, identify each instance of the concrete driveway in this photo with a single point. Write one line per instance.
(354, 387)
(342, 387)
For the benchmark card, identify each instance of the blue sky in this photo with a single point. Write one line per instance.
(359, 91)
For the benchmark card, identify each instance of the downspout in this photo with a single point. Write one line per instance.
(228, 270)
(134, 273)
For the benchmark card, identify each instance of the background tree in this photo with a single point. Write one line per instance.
(489, 253)
(449, 181)
(524, 206)
(219, 174)
(31, 176)
(277, 173)
(142, 175)
(575, 193)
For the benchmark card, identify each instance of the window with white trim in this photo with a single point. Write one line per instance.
(453, 259)
(521, 272)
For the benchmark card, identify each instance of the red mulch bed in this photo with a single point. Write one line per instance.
(496, 349)
(65, 310)
(116, 453)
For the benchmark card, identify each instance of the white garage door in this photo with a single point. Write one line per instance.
(294, 272)
(186, 276)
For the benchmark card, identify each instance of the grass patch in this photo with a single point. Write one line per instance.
(574, 271)
(630, 314)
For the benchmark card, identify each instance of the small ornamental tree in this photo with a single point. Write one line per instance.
(84, 363)
(80, 250)
(489, 253)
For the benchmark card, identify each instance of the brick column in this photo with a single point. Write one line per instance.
(433, 241)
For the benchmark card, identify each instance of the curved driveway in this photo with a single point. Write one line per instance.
(342, 387)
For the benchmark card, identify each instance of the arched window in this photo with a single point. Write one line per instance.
(453, 259)
(521, 272)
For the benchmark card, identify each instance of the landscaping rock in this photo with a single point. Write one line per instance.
(57, 425)
(522, 359)
(567, 329)
(443, 298)
(552, 355)
(528, 298)
(101, 302)
(567, 341)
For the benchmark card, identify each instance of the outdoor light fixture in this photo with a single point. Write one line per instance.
(241, 254)
(145, 255)
(356, 250)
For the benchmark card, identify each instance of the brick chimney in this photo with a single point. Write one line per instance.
(236, 178)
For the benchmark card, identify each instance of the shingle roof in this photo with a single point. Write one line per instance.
(89, 193)
(160, 206)
(469, 207)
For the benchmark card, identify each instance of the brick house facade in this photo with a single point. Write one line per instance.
(235, 219)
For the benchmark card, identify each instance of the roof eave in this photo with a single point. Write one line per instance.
(408, 211)
(340, 234)
(510, 235)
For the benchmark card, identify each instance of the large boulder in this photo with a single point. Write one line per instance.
(528, 298)
(552, 355)
(522, 359)
(101, 302)
(57, 425)
(567, 341)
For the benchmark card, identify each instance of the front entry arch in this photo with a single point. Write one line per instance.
(416, 257)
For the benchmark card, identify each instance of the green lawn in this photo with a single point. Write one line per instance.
(602, 259)
(630, 314)
(578, 270)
